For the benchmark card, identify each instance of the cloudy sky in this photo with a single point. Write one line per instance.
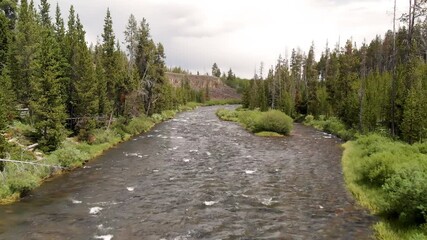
(240, 34)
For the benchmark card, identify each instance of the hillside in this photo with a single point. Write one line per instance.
(217, 89)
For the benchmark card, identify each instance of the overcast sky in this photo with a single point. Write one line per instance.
(240, 34)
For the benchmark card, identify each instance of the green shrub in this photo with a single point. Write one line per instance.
(308, 119)
(157, 118)
(274, 121)
(104, 136)
(168, 114)
(249, 119)
(377, 168)
(227, 115)
(22, 182)
(70, 156)
(139, 125)
(407, 195)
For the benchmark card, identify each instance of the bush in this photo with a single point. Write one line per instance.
(249, 119)
(139, 125)
(22, 182)
(256, 121)
(104, 136)
(168, 114)
(157, 118)
(407, 195)
(308, 119)
(69, 156)
(377, 168)
(227, 115)
(274, 121)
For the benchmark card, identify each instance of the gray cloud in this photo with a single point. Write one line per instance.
(236, 34)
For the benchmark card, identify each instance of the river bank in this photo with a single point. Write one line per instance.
(386, 176)
(20, 179)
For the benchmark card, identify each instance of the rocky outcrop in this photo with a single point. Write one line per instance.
(217, 89)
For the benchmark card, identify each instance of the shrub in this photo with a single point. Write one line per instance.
(274, 121)
(377, 168)
(139, 125)
(227, 115)
(70, 156)
(249, 119)
(156, 118)
(22, 182)
(407, 195)
(104, 136)
(308, 119)
(168, 114)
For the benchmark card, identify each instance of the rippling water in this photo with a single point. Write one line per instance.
(196, 177)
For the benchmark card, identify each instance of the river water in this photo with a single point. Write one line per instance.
(196, 177)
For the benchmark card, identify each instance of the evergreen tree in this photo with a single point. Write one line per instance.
(24, 53)
(86, 102)
(216, 72)
(131, 37)
(109, 62)
(311, 79)
(46, 104)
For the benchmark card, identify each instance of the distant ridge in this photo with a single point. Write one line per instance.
(217, 89)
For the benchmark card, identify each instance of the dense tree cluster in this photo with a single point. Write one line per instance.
(47, 67)
(377, 86)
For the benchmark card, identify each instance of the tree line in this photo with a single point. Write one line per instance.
(380, 86)
(48, 70)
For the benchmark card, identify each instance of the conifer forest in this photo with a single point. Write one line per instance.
(330, 142)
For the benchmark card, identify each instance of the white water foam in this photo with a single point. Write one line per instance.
(267, 201)
(95, 210)
(104, 237)
(210, 203)
(74, 201)
(208, 153)
(186, 160)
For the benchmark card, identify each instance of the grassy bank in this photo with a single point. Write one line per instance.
(267, 124)
(20, 179)
(389, 178)
(386, 176)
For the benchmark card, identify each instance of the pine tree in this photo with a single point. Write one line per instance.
(311, 79)
(46, 104)
(216, 72)
(131, 38)
(109, 62)
(23, 53)
(64, 78)
(86, 102)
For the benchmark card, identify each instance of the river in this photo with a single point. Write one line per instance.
(196, 177)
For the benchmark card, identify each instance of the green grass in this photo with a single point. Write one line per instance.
(72, 154)
(271, 123)
(268, 134)
(390, 179)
